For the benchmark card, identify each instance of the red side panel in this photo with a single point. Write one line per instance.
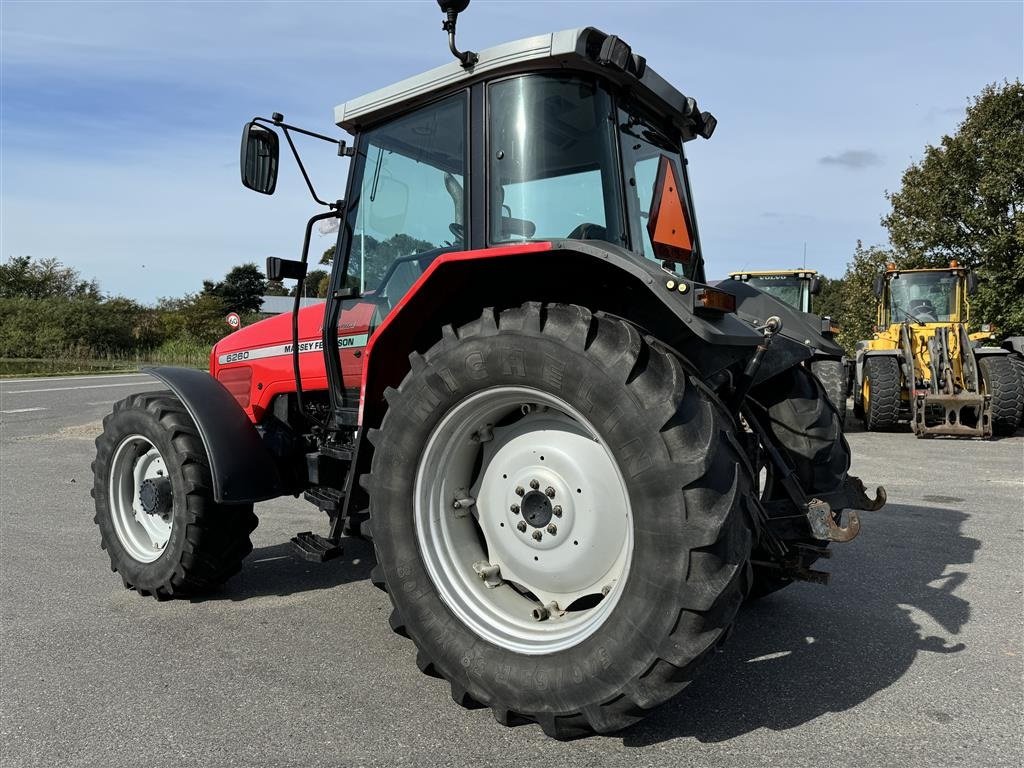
(414, 305)
(255, 363)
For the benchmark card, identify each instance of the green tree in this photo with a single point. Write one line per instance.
(276, 288)
(23, 277)
(311, 286)
(198, 318)
(853, 302)
(964, 200)
(240, 291)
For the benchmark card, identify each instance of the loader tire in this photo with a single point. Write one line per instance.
(806, 427)
(881, 393)
(542, 406)
(832, 375)
(1017, 361)
(1001, 380)
(158, 521)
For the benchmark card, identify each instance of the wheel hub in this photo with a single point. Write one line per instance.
(155, 496)
(537, 509)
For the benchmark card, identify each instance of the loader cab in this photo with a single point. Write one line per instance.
(794, 287)
(924, 296)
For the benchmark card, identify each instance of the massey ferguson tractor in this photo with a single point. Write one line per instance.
(575, 458)
(923, 366)
(797, 288)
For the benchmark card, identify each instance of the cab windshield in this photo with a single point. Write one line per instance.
(788, 289)
(927, 297)
(553, 166)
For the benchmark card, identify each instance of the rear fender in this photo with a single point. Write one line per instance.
(242, 467)
(602, 277)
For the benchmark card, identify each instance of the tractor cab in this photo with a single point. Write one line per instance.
(794, 287)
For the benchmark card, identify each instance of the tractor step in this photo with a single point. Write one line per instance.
(341, 454)
(314, 547)
(325, 498)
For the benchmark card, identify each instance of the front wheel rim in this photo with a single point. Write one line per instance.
(523, 520)
(141, 501)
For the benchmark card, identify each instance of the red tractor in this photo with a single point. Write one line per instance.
(574, 457)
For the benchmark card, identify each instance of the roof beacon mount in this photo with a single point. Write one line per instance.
(452, 9)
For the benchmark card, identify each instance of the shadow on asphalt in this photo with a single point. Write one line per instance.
(808, 650)
(276, 570)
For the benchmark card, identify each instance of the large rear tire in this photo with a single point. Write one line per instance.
(158, 521)
(653, 530)
(1001, 381)
(832, 375)
(806, 427)
(880, 393)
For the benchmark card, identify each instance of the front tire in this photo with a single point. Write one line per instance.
(881, 392)
(638, 453)
(158, 521)
(1001, 381)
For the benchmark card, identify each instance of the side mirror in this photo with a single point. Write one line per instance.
(815, 286)
(260, 151)
(284, 269)
(877, 286)
(972, 282)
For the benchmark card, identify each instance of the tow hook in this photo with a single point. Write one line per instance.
(824, 526)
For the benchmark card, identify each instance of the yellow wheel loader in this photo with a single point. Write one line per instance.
(797, 288)
(923, 366)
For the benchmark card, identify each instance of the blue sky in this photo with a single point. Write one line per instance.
(120, 121)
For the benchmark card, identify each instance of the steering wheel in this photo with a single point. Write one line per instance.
(458, 230)
(588, 231)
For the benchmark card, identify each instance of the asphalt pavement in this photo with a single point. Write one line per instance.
(911, 657)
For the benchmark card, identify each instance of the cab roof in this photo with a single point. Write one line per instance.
(745, 273)
(584, 49)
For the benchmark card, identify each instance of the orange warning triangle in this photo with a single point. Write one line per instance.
(668, 224)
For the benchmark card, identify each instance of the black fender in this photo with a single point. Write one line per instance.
(1014, 344)
(980, 352)
(456, 286)
(800, 339)
(243, 469)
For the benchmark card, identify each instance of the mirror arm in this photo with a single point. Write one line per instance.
(298, 160)
(343, 150)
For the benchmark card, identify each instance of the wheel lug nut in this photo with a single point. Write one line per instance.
(519, 490)
(549, 492)
(537, 535)
(552, 529)
(534, 484)
(514, 509)
(521, 525)
(557, 511)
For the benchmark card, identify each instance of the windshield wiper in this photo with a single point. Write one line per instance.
(915, 318)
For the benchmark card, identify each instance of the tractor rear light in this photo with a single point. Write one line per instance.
(238, 381)
(710, 298)
(828, 325)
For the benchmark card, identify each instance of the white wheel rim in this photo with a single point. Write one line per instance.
(144, 535)
(483, 452)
